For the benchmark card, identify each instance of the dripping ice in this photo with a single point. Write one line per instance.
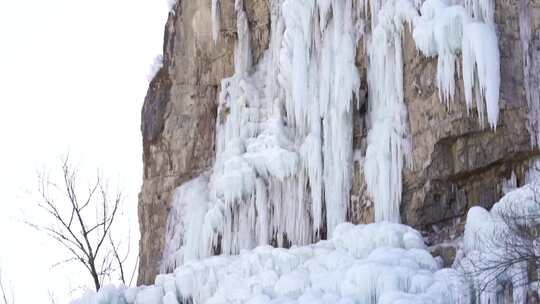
(282, 173)
(447, 30)
(284, 132)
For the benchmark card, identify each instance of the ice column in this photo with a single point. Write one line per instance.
(388, 139)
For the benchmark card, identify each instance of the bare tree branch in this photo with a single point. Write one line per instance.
(513, 248)
(3, 290)
(85, 235)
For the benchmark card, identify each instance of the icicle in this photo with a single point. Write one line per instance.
(480, 51)
(439, 31)
(388, 142)
(444, 31)
(481, 10)
(216, 19)
(242, 52)
(337, 114)
(531, 70)
(185, 224)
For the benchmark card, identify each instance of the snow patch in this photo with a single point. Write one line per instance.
(156, 65)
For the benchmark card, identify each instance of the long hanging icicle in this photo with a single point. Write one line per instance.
(343, 83)
(444, 31)
(440, 30)
(388, 141)
(216, 19)
(284, 130)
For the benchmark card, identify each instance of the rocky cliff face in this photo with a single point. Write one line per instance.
(180, 110)
(457, 163)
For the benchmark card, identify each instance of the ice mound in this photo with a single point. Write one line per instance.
(374, 263)
(496, 243)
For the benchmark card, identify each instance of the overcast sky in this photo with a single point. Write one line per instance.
(73, 76)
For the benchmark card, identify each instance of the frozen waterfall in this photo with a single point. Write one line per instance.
(284, 142)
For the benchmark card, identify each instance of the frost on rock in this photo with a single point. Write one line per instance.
(375, 263)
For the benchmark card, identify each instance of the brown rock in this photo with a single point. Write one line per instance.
(180, 110)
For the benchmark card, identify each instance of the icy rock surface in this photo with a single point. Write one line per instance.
(375, 263)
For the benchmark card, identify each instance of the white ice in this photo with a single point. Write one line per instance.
(487, 237)
(375, 263)
(446, 31)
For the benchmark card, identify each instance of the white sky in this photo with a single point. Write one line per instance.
(73, 76)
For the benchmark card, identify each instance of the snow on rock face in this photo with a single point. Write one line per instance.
(375, 263)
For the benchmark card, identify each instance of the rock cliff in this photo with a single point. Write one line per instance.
(456, 162)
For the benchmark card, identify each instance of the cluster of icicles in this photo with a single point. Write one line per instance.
(284, 156)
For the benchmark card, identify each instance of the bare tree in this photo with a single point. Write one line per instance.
(511, 251)
(5, 298)
(81, 221)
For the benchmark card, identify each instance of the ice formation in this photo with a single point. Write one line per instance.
(439, 30)
(388, 142)
(283, 166)
(376, 263)
(183, 231)
(282, 174)
(531, 71)
(216, 19)
(494, 251)
(157, 64)
(446, 30)
(284, 133)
